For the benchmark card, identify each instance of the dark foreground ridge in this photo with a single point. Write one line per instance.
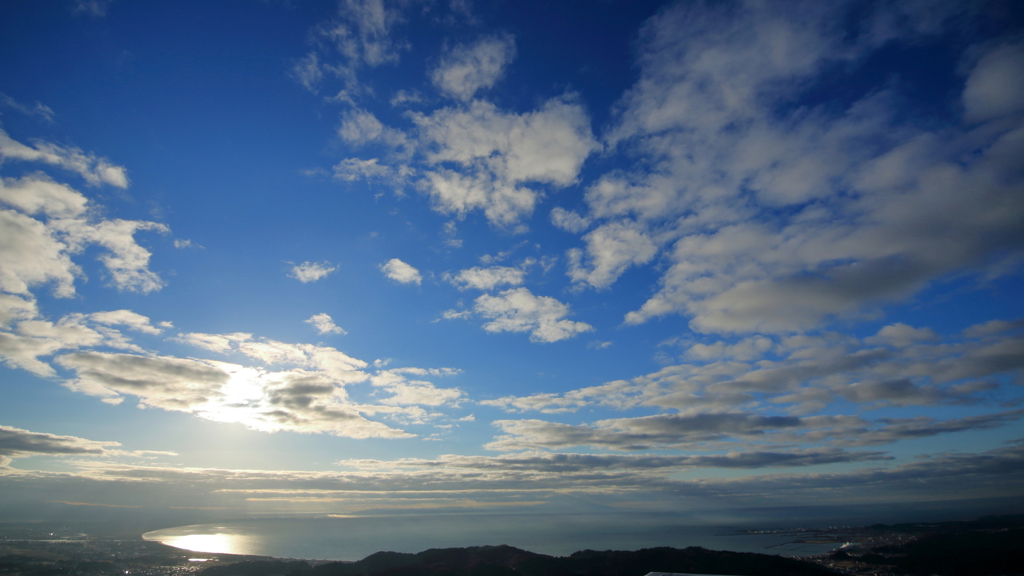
(509, 561)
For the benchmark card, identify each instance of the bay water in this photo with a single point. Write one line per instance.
(353, 538)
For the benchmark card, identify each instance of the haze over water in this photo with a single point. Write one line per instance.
(557, 534)
(554, 534)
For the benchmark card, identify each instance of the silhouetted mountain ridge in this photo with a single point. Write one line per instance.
(510, 561)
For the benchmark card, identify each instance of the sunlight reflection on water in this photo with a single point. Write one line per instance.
(357, 537)
(220, 542)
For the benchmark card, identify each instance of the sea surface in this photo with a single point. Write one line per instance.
(354, 538)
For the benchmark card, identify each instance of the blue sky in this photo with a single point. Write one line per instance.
(362, 256)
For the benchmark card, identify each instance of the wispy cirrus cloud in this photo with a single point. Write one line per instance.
(39, 109)
(93, 169)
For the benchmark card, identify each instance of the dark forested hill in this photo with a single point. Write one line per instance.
(509, 561)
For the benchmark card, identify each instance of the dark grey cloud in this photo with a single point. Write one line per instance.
(708, 431)
(903, 366)
(641, 433)
(165, 382)
(563, 463)
(16, 442)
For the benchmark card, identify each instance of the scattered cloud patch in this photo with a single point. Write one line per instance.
(568, 220)
(465, 70)
(353, 169)
(127, 318)
(519, 310)
(901, 335)
(401, 272)
(489, 278)
(780, 221)
(611, 249)
(311, 271)
(184, 243)
(324, 324)
(93, 169)
(47, 223)
(498, 153)
(95, 8)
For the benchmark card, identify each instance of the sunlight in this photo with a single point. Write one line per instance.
(211, 543)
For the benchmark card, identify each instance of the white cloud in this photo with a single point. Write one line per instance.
(136, 322)
(14, 308)
(352, 169)
(784, 218)
(401, 272)
(34, 338)
(213, 342)
(467, 69)
(311, 271)
(900, 335)
(125, 260)
(489, 278)
(568, 220)
(547, 145)
(360, 127)
(324, 324)
(456, 193)
(182, 243)
(995, 86)
(30, 255)
(499, 152)
(456, 314)
(611, 249)
(360, 36)
(449, 231)
(405, 392)
(34, 252)
(402, 97)
(518, 310)
(364, 34)
(94, 170)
